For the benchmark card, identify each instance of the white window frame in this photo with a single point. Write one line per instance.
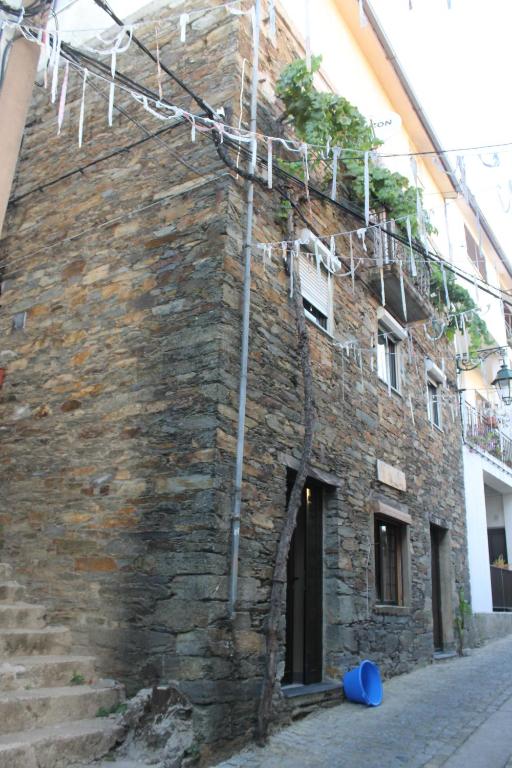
(436, 380)
(394, 335)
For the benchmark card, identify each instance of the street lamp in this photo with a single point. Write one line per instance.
(503, 380)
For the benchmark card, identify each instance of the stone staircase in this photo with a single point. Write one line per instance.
(49, 699)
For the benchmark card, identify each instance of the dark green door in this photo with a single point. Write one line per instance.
(304, 604)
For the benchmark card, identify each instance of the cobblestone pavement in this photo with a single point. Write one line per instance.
(456, 713)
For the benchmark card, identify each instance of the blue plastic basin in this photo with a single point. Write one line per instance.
(363, 684)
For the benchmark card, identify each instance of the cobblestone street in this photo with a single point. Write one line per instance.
(456, 713)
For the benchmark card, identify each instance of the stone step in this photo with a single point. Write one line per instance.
(5, 571)
(59, 746)
(45, 671)
(22, 616)
(27, 642)
(11, 591)
(26, 710)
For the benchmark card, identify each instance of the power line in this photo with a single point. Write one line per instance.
(73, 54)
(201, 102)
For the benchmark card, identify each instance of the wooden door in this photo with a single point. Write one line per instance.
(436, 534)
(304, 604)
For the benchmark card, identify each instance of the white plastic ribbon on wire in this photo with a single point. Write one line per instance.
(382, 289)
(402, 289)
(82, 109)
(366, 188)
(305, 163)
(335, 155)
(113, 45)
(307, 35)
(445, 286)
(272, 22)
(184, 20)
(62, 100)
(269, 164)
(158, 66)
(361, 233)
(494, 162)
(352, 270)
(411, 254)
(45, 42)
(55, 66)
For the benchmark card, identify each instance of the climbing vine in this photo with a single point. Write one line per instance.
(459, 301)
(322, 118)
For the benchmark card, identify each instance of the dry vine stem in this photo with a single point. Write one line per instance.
(278, 593)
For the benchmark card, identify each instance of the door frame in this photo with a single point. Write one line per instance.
(304, 653)
(445, 588)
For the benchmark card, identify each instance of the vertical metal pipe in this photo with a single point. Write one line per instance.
(246, 311)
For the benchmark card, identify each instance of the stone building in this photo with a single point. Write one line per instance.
(120, 326)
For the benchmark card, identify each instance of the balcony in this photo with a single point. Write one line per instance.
(501, 586)
(402, 275)
(482, 431)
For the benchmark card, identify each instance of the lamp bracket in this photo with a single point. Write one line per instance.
(469, 363)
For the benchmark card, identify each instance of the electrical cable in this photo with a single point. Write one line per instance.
(74, 55)
(199, 101)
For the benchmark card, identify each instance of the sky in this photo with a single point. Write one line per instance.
(458, 62)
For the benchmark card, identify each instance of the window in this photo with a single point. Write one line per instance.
(387, 358)
(475, 253)
(390, 334)
(435, 381)
(389, 566)
(434, 405)
(316, 291)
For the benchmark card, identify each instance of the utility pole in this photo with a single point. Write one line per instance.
(15, 96)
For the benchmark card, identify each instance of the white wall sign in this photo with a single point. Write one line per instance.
(386, 125)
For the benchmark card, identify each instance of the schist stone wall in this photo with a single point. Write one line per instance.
(119, 408)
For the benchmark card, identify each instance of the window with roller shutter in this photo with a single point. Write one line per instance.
(316, 290)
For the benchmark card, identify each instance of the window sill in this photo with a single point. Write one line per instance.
(392, 610)
(384, 383)
(325, 331)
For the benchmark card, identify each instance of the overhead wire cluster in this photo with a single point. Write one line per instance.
(81, 59)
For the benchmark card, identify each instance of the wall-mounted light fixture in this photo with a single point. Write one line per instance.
(503, 379)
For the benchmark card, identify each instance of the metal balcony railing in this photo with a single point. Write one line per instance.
(387, 249)
(501, 586)
(483, 431)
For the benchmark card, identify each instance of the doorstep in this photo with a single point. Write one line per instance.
(443, 655)
(297, 689)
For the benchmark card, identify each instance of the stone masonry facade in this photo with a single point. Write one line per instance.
(119, 407)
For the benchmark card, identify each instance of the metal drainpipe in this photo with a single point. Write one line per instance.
(237, 501)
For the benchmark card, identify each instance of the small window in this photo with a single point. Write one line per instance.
(475, 253)
(18, 321)
(436, 380)
(434, 404)
(316, 291)
(389, 566)
(388, 358)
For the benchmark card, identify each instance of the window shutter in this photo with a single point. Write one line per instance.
(315, 286)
